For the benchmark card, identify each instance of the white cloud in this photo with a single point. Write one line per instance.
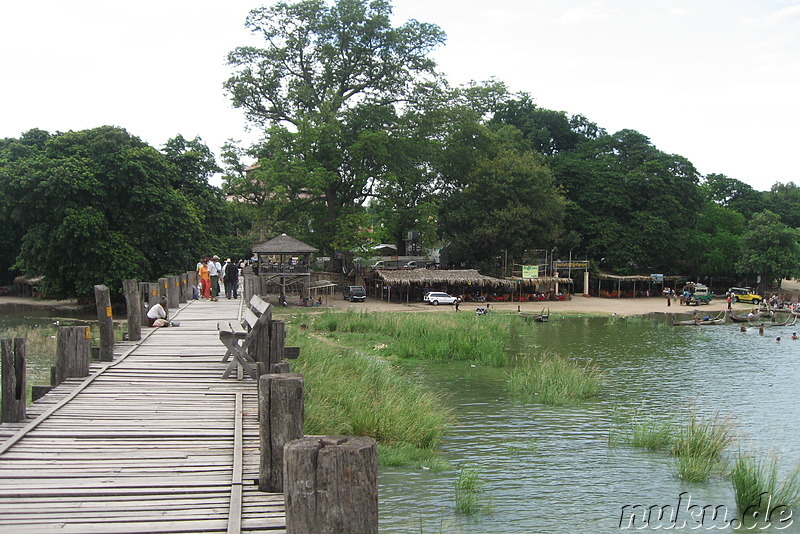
(588, 12)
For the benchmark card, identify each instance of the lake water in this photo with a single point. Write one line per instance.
(550, 469)
(569, 479)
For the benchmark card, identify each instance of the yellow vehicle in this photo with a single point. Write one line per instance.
(745, 294)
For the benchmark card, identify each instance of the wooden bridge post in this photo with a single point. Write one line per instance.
(105, 317)
(133, 302)
(143, 304)
(163, 286)
(13, 380)
(149, 298)
(277, 339)
(280, 367)
(247, 288)
(280, 420)
(184, 294)
(72, 353)
(173, 289)
(192, 277)
(331, 485)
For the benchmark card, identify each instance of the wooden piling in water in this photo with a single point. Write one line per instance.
(280, 419)
(331, 485)
(13, 380)
(105, 318)
(133, 302)
(72, 353)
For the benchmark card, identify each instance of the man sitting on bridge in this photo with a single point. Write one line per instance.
(157, 315)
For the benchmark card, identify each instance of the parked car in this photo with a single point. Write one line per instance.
(745, 294)
(354, 293)
(436, 298)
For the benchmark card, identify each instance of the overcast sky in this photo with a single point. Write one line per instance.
(716, 81)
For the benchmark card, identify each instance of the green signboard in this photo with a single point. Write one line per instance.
(530, 271)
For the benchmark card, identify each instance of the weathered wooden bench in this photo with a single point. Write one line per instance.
(237, 337)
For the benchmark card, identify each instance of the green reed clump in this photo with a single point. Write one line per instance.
(429, 336)
(469, 491)
(555, 380)
(757, 485)
(703, 436)
(699, 444)
(354, 393)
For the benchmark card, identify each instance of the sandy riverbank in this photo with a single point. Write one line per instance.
(578, 305)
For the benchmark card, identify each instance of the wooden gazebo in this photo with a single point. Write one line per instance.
(284, 264)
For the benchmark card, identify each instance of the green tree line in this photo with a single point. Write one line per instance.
(363, 141)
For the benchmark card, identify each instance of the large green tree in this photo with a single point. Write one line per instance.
(770, 249)
(499, 199)
(631, 204)
(332, 82)
(97, 206)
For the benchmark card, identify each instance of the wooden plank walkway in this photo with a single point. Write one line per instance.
(155, 441)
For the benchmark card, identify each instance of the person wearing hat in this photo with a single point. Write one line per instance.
(214, 268)
(231, 277)
(157, 314)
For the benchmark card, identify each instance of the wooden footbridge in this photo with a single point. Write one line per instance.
(155, 441)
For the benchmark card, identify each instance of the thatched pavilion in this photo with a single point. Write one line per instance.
(284, 265)
(417, 280)
(646, 283)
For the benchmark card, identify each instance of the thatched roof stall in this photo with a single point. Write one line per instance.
(619, 279)
(431, 277)
(437, 276)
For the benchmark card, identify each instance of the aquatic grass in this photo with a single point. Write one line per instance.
(526, 448)
(428, 336)
(699, 444)
(410, 456)
(703, 436)
(643, 430)
(555, 380)
(757, 485)
(696, 468)
(469, 491)
(359, 393)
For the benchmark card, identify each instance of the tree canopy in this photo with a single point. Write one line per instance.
(330, 88)
(97, 206)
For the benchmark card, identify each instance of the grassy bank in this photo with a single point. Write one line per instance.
(355, 392)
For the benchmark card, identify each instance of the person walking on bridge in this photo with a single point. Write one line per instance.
(203, 276)
(231, 271)
(214, 269)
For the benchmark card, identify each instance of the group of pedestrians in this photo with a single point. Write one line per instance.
(210, 272)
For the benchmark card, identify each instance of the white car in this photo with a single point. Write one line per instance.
(436, 298)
